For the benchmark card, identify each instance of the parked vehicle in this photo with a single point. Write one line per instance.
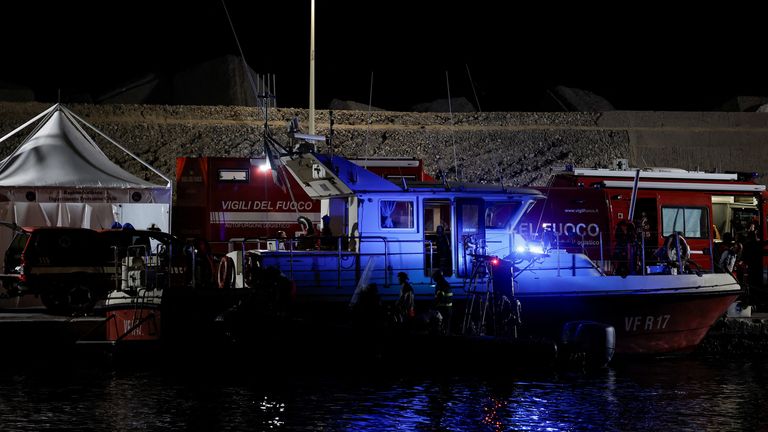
(64, 266)
(73, 269)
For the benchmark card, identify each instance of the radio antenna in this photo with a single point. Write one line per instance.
(368, 129)
(453, 137)
(472, 83)
(242, 56)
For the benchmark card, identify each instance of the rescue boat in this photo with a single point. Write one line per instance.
(502, 284)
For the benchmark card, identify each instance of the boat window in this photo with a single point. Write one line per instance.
(497, 215)
(691, 221)
(396, 214)
(469, 217)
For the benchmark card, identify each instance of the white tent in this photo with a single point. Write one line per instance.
(58, 176)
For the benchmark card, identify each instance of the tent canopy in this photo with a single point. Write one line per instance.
(59, 162)
(58, 176)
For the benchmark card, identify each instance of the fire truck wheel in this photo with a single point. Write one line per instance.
(226, 272)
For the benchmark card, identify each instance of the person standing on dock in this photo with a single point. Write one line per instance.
(443, 301)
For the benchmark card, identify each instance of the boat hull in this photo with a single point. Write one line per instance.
(133, 317)
(133, 325)
(664, 315)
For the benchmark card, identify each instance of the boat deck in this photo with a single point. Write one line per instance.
(17, 317)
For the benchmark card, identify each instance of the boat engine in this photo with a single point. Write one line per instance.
(592, 343)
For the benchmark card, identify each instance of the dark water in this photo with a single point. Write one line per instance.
(662, 394)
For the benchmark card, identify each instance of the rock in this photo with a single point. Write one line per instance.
(15, 93)
(458, 104)
(563, 98)
(225, 83)
(337, 104)
(745, 103)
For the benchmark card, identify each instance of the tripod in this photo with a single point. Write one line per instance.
(480, 299)
(492, 308)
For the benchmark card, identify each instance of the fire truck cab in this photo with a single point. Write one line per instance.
(600, 211)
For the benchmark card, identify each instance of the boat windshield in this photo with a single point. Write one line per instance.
(498, 215)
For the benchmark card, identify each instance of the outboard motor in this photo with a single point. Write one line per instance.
(592, 342)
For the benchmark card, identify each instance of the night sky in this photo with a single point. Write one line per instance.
(649, 58)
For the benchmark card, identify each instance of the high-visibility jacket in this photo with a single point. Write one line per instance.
(443, 298)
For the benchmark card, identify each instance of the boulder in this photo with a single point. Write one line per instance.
(458, 104)
(563, 98)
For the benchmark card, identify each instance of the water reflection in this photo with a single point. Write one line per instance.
(679, 394)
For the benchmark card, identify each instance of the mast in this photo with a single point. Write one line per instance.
(312, 70)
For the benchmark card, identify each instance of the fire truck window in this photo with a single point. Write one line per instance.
(233, 175)
(396, 214)
(691, 222)
(742, 218)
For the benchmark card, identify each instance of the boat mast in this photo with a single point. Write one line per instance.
(312, 70)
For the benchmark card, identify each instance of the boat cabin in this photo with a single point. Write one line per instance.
(374, 229)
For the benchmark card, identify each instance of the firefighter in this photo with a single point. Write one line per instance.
(404, 307)
(443, 251)
(443, 302)
(624, 253)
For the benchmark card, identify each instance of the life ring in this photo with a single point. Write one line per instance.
(226, 272)
(671, 248)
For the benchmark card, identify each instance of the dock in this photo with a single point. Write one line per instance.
(39, 331)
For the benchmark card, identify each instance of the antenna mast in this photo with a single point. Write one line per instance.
(312, 70)
(453, 138)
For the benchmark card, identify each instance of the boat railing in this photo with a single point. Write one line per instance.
(145, 263)
(347, 253)
(559, 262)
(636, 257)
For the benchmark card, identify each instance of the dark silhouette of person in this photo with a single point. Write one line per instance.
(405, 305)
(326, 236)
(753, 259)
(729, 258)
(308, 240)
(443, 251)
(443, 301)
(624, 254)
(548, 238)
(369, 310)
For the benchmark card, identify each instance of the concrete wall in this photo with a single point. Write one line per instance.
(516, 148)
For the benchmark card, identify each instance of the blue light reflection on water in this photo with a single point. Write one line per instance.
(679, 394)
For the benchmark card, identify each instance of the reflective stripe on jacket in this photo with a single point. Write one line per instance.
(444, 299)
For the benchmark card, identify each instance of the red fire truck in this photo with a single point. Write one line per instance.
(220, 199)
(589, 210)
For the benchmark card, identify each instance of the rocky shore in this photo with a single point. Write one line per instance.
(737, 337)
(513, 148)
